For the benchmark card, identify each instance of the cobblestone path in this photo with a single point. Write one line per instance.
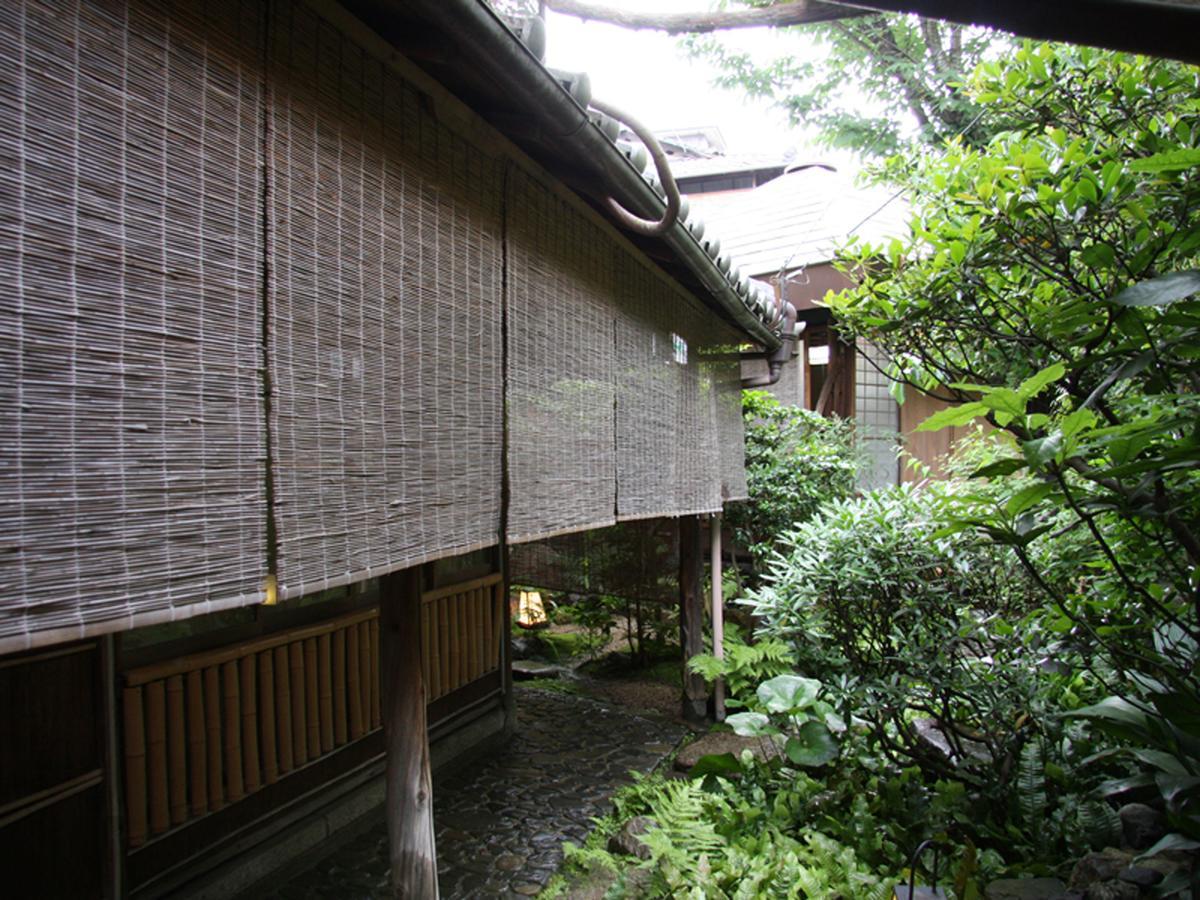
(501, 820)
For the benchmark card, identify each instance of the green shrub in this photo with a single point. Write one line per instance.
(795, 461)
(932, 646)
(913, 626)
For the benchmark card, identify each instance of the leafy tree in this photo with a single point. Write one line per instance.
(909, 70)
(795, 461)
(1050, 286)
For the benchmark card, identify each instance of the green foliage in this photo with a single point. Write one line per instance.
(933, 643)
(1161, 736)
(1050, 285)
(910, 71)
(732, 839)
(898, 617)
(789, 705)
(795, 460)
(745, 665)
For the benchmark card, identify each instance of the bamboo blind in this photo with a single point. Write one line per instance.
(696, 450)
(385, 303)
(648, 394)
(206, 730)
(680, 444)
(130, 269)
(561, 366)
(731, 437)
(181, 184)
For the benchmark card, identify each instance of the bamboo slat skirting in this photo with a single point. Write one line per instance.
(204, 731)
(461, 630)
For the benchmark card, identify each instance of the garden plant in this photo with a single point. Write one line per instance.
(1000, 661)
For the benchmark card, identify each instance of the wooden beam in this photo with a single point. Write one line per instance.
(1135, 26)
(796, 12)
(409, 784)
(691, 617)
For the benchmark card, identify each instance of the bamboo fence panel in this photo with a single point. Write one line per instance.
(462, 630)
(312, 713)
(251, 761)
(135, 766)
(232, 732)
(156, 753)
(340, 731)
(197, 745)
(267, 722)
(177, 745)
(206, 730)
(283, 709)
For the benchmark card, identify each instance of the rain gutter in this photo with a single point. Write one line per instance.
(516, 72)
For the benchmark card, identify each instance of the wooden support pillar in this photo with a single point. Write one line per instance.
(718, 612)
(691, 617)
(409, 784)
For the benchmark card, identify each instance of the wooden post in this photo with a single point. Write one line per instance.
(718, 612)
(691, 617)
(409, 783)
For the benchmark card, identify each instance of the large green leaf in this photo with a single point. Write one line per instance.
(999, 468)
(750, 724)
(954, 415)
(1116, 709)
(1171, 161)
(1160, 291)
(1027, 498)
(1172, 786)
(788, 693)
(1035, 384)
(1159, 759)
(723, 764)
(1171, 842)
(812, 745)
(1041, 451)
(1125, 785)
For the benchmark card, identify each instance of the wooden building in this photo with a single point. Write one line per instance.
(786, 232)
(309, 312)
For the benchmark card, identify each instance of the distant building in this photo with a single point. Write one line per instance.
(785, 232)
(701, 163)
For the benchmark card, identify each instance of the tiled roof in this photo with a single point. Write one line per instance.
(798, 219)
(725, 164)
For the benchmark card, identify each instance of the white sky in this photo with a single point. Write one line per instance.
(650, 76)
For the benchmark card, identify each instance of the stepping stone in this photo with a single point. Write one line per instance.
(724, 742)
(1025, 889)
(525, 669)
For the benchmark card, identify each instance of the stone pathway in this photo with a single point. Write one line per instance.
(501, 821)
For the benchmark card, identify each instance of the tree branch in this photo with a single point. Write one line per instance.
(795, 12)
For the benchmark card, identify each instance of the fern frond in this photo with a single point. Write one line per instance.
(1031, 786)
